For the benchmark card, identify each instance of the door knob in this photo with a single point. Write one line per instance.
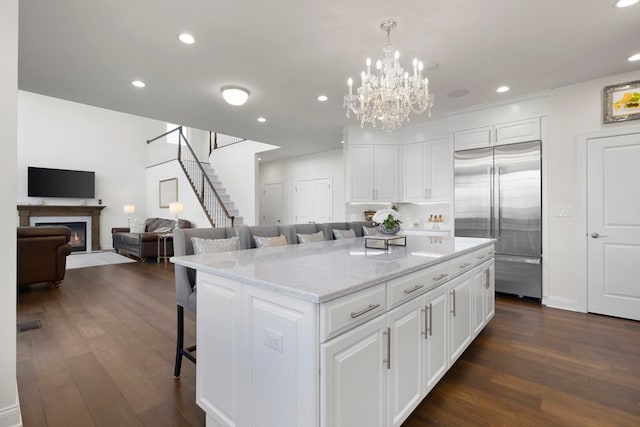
(596, 235)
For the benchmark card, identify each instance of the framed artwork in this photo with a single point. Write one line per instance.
(621, 102)
(168, 192)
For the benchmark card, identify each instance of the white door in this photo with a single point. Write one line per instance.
(435, 338)
(354, 381)
(460, 309)
(313, 200)
(613, 226)
(272, 201)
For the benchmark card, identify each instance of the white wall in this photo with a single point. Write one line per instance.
(192, 209)
(573, 110)
(324, 164)
(62, 134)
(237, 169)
(9, 405)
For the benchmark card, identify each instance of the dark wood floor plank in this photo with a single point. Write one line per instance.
(109, 332)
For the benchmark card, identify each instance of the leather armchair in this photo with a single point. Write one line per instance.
(42, 254)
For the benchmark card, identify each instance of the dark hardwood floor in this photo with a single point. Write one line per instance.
(104, 357)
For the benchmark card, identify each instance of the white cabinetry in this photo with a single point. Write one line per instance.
(500, 134)
(428, 170)
(435, 337)
(460, 309)
(372, 173)
(354, 378)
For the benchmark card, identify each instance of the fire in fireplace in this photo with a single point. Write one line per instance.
(78, 241)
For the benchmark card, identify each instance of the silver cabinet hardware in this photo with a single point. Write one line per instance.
(430, 324)
(426, 323)
(415, 288)
(487, 278)
(440, 277)
(388, 359)
(370, 307)
(453, 294)
(481, 256)
(465, 265)
(425, 194)
(597, 236)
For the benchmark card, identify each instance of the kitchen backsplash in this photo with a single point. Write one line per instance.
(413, 215)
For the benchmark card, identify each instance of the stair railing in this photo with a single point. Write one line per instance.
(217, 141)
(208, 197)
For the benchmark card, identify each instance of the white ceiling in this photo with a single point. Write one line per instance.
(287, 52)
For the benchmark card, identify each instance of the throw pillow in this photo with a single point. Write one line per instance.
(308, 238)
(209, 246)
(370, 231)
(162, 230)
(270, 242)
(343, 234)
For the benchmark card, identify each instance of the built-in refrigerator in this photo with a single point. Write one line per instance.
(498, 194)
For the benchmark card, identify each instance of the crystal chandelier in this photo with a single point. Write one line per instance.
(390, 94)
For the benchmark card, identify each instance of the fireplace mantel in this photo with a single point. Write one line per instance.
(25, 212)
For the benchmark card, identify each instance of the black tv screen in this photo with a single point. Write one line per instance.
(44, 182)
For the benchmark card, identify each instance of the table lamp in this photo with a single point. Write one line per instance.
(176, 208)
(129, 209)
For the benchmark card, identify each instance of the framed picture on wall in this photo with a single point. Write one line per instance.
(621, 102)
(168, 192)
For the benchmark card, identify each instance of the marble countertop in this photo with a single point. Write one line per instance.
(319, 272)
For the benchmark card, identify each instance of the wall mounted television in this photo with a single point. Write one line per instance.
(44, 182)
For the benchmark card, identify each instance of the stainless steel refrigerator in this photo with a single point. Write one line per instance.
(498, 193)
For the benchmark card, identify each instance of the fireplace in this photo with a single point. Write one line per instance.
(78, 241)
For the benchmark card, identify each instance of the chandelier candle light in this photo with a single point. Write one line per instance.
(390, 94)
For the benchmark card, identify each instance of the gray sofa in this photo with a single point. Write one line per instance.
(145, 245)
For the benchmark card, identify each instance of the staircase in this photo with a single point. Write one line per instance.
(213, 198)
(222, 192)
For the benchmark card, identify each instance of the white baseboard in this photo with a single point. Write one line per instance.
(10, 416)
(561, 303)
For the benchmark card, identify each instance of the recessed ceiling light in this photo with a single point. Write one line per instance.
(503, 89)
(235, 95)
(633, 58)
(322, 98)
(138, 83)
(186, 38)
(342, 142)
(625, 3)
(262, 119)
(259, 159)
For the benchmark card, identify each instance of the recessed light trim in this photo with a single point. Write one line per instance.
(634, 58)
(186, 38)
(235, 95)
(138, 83)
(322, 98)
(262, 119)
(503, 89)
(625, 3)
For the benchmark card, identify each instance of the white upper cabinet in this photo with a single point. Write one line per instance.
(372, 173)
(500, 134)
(428, 171)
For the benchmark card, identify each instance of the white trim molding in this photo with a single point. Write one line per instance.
(561, 303)
(11, 416)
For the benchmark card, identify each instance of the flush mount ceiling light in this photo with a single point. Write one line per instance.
(235, 95)
(138, 83)
(390, 94)
(503, 89)
(634, 58)
(186, 38)
(322, 98)
(262, 119)
(625, 3)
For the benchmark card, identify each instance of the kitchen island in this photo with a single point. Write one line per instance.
(331, 333)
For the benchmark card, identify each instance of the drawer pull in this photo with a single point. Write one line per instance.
(465, 265)
(440, 277)
(415, 288)
(355, 314)
(481, 256)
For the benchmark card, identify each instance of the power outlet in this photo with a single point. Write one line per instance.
(273, 339)
(564, 211)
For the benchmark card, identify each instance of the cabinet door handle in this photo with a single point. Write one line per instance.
(426, 323)
(487, 278)
(481, 256)
(415, 288)
(440, 277)
(465, 265)
(453, 294)
(425, 194)
(388, 359)
(370, 307)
